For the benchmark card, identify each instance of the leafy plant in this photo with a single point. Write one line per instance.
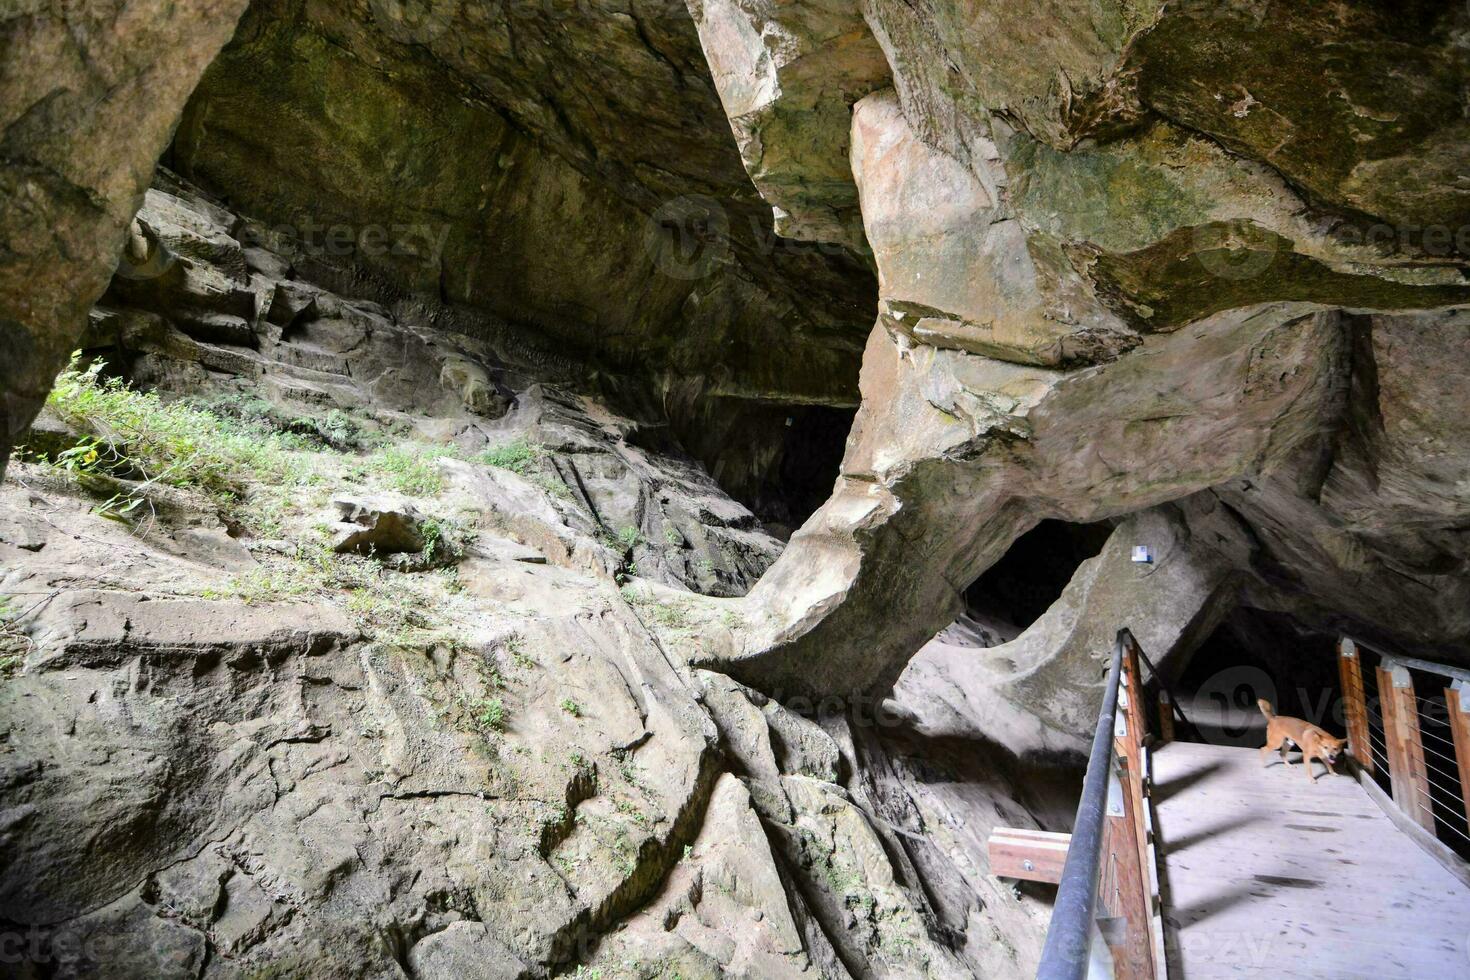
(487, 714)
(630, 537)
(412, 468)
(516, 456)
(571, 707)
(514, 646)
(444, 537)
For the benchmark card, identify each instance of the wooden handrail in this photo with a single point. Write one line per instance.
(1110, 849)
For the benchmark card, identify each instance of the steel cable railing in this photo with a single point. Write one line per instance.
(1421, 738)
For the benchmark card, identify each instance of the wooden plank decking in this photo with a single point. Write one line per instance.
(1265, 875)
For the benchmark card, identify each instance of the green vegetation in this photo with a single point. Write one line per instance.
(551, 486)
(571, 707)
(513, 646)
(135, 434)
(445, 537)
(336, 429)
(629, 810)
(630, 537)
(516, 456)
(487, 714)
(14, 643)
(669, 613)
(412, 468)
(389, 610)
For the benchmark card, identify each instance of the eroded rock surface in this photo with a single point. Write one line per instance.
(89, 96)
(1102, 287)
(418, 710)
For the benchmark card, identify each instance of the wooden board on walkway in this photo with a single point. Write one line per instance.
(1265, 875)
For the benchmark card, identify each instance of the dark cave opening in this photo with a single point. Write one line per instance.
(1254, 654)
(1032, 574)
(779, 460)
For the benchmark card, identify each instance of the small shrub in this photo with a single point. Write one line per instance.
(571, 707)
(487, 714)
(444, 538)
(516, 456)
(411, 468)
(630, 537)
(172, 444)
(514, 647)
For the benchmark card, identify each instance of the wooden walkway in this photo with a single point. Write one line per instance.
(1267, 876)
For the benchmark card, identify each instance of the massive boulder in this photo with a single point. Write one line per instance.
(89, 96)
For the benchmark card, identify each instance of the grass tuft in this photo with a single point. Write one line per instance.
(165, 443)
(516, 456)
(412, 468)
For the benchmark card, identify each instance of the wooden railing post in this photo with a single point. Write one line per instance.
(1126, 828)
(1355, 707)
(1124, 881)
(1457, 696)
(1128, 741)
(1405, 745)
(1166, 718)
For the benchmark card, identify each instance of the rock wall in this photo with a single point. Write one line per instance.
(89, 96)
(1118, 266)
(408, 626)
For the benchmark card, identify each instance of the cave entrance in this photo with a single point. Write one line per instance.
(1015, 591)
(1251, 655)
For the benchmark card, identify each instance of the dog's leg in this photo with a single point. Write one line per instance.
(1270, 744)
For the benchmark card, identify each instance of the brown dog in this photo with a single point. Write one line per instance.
(1313, 741)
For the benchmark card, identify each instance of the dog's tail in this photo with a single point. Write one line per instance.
(1265, 707)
